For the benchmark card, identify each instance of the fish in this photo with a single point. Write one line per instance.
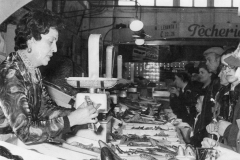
(107, 152)
(165, 149)
(146, 157)
(180, 151)
(189, 151)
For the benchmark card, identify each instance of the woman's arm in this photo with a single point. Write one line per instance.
(51, 120)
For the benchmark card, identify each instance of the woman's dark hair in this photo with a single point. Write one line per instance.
(33, 24)
(183, 76)
(204, 66)
(190, 68)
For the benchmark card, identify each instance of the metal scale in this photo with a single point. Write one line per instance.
(94, 83)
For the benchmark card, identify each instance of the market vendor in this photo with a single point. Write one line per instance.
(26, 108)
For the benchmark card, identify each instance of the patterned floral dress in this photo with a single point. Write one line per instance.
(26, 108)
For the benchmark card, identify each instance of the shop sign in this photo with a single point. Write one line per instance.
(169, 30)
(145, 53)
(218, 30)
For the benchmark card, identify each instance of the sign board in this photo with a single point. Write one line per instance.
(210, 30)
(145, 53)
(169, 30)
(200, 30)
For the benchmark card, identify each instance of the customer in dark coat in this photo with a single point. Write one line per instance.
(185, 100)
(213, 60)
(224, 98)
(205, 79)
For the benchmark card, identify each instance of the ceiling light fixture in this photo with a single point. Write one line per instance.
(136, 25)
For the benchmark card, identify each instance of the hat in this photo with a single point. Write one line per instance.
(232, 60)
(217, 50)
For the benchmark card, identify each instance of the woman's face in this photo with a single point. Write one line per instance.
(230, 73)
(43, 49)
(223, 78)
(204, 75)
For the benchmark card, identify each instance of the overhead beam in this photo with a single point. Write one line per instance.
(8, 7)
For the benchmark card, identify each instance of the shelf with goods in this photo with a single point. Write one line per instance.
(153, 71)
(156, 72)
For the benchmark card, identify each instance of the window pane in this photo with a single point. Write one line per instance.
(126, 3)
(200, 3)
(186, 3)
(164, 2)
(146, 2)
(236, 3)
(222, 3)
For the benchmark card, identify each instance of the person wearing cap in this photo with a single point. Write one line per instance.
(230, 130)
(213, 59)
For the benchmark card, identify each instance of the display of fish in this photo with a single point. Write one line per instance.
(155, 142)
(162, 133)
(88, 147)
(133, 138)
(138, 144)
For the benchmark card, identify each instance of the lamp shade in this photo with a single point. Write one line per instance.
(136, 25)
(139, 42)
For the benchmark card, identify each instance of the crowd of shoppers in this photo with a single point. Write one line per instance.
(217, 105)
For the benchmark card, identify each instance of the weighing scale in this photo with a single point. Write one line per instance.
(94, 83)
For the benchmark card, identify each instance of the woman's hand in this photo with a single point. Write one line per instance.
(209, 143)
(83, 116)
(212, 127)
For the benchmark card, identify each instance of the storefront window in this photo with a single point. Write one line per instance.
(183, 3)
(200, 3)
(126, 3)
(236, 3)
(164, 2)
(222, 3)
(186, 3)
(146, 2)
